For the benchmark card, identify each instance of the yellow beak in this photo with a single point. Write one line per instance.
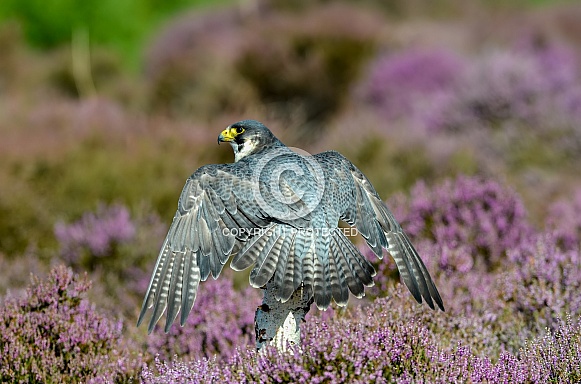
(227, 135)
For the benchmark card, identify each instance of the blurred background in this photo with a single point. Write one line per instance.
(106, 107)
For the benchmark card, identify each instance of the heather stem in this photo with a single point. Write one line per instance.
(278, 323)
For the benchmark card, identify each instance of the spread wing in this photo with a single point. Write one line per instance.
(358, 203)
(215, 203)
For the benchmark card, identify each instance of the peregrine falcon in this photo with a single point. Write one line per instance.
(278, 209)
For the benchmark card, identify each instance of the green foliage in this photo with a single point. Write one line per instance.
(121, 24)
(24, 221)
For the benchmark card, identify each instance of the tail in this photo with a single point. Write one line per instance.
(324, 261)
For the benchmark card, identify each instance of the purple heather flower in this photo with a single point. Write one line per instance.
(482, 216)
(54, 334)
(95, 232)
(221, 321)
(532, 89)
(408, 83)
(564, 218)
(539, 89)
(373, 345)
(543, 282)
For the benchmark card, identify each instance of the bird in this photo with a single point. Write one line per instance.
(277, 209)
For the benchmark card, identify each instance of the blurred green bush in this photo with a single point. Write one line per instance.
(121, 24)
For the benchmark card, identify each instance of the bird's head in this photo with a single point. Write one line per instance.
(247, 137)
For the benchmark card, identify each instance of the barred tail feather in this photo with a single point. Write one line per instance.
(355, 285)
(308, 267)
(248, 255)
(339, 289)
(322, 275)
(285, 261)
(289, 274)
(269, 255)
(329, 266)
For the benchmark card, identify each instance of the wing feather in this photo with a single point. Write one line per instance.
(154, 282)
(219, 198)
(160, 303)
(322, 275)
(291, 267)
(267, 259)
(308, 265)
(339, 288)
(199, 240)
(190, 285)
(361, 206)
(175, 290)
(342, 257)
(285, 262)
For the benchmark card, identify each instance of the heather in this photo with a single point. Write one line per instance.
(410, 83)
(372, 347)
(484, 216)
(464, 116)
(222, 322)
(53, 334)
(528, 83)
(563, 218)
(511, 325)
(512, 100)
(95, 233)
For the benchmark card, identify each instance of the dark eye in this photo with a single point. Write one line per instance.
(239, 130)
